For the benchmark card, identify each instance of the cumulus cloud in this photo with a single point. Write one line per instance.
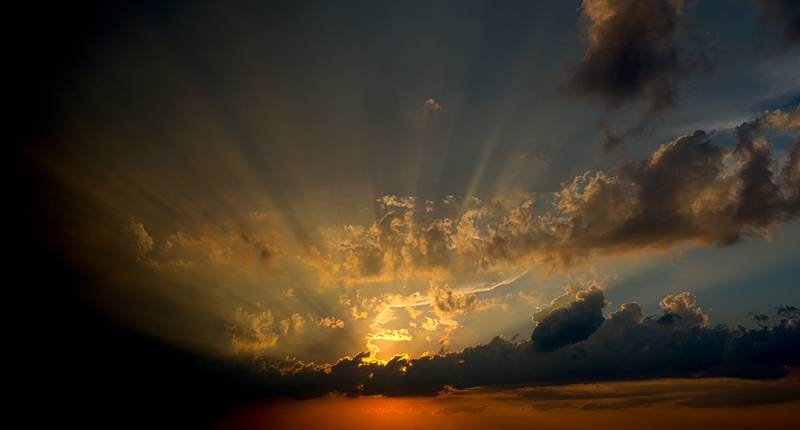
(253, 332)
(331, 322)
(295, 323)
(446, 302)
(632, 51)
(682, 307)
(410, 238)
(436, 312)
(259, 332)
(783, 119)
(245, 245)
(430, 324)
(626, 345)
(689, 190)
(569, 324)
(142, 239)
(431, 105)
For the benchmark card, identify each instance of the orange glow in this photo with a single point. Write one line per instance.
(477, 411)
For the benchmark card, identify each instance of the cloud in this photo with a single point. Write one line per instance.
(411, 238)
(253, 332)
(682, 307)
(788, 311)
(687, 393)
(256, 333)
(430, 324)
(393, 335)
(626, 345)
(219, 246)
(210, 245)
(632, 51)
(689, 190)
(785, 15)
(331, 322)
(610, 139)
(431, 105)
(295, 322)
(142, 239)
(569, 324)
(783, 120)
(446, 302)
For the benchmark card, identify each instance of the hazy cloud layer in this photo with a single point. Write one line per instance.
(253, 242)
(687, 393)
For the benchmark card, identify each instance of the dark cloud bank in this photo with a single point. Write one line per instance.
(571, 343)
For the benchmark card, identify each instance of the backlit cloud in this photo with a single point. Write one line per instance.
(632, 51)
(689, 190)
(253, 332)
(431, 105)
(142, 239)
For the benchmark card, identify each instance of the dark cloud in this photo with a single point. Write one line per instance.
(786, 15)
(610, 140)
(762, 195)
(788, 311)
(626, 345)
(632, 51)
(570, 324)
(690, 189)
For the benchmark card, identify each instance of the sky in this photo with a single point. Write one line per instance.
(437, 199)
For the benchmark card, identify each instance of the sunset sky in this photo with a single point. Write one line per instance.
(454, 214)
